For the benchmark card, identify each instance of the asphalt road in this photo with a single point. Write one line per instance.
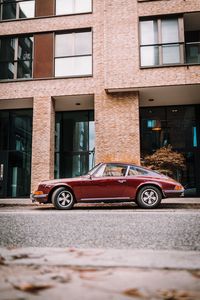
(117, 227)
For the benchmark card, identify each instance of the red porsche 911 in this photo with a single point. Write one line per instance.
(109, 182)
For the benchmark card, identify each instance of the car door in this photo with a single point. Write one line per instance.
(108, 183)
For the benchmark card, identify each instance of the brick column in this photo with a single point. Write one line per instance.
(43, 140)
(117, 127)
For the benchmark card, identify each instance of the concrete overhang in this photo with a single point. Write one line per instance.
(21, 103)
(164, 95)
(74, 102)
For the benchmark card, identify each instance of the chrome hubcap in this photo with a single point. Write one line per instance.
(149, 197)
(65, 198)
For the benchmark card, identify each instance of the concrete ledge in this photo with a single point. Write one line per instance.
(102, 258)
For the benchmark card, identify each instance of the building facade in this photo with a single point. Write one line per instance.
(84, 81)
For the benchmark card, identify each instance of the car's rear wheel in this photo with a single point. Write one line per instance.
(149, 197)
(62, 198)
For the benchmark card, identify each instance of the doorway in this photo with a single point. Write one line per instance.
(15, 152)
(74, 143)
(179, 127)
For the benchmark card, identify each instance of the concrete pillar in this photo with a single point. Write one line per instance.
(117, 127)
(43, 140)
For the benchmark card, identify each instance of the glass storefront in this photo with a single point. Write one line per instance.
(74, 143)
(15, 152)
(177, 126)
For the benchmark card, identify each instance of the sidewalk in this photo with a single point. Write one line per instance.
(27, 201)
(100, 274)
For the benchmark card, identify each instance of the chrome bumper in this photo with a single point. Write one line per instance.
(173, 193)
(38, 198)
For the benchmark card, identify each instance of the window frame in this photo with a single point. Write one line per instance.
(75, 55)
(16, 59)
(17, 2)
(161, 44)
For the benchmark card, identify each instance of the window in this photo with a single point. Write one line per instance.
(73, 6)
(10, 9)
(111, 170)
(74, 143)
(73, 54)
(161, 42)
(178, 128)
(16, 57)
(133, 171)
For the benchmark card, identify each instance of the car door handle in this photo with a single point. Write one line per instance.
(121, 180)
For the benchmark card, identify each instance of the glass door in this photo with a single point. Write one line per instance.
(15, 153)
(74, 144)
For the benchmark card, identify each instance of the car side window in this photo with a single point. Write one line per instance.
(115, 170)
(134, 171)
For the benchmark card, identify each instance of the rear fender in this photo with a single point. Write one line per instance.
(147, 183)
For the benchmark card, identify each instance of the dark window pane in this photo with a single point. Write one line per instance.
(7, 70)
(25, 46)
(193, 53)
(24, 69)
(4, 123)
(74, 143)
(15, 141)
(7, 49)
(8, 11)
(174, 125)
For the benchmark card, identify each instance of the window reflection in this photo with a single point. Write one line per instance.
(16, 57)
(26, 9)
(15, 152)
(174, 125)
(17, 9)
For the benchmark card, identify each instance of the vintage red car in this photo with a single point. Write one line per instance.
(109, 182)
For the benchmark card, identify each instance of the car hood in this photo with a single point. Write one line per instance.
(62, 180)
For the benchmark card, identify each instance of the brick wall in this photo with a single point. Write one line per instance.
(115, 65)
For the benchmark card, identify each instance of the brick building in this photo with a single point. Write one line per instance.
(83, 81)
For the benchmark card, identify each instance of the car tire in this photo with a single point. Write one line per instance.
(63, 199)
(149, 197)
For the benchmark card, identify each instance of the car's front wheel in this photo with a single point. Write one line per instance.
(149, 197)
(62, 198)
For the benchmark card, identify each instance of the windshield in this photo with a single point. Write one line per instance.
(93, 170)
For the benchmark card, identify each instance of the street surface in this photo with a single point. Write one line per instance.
(173, 226)
(101, 252)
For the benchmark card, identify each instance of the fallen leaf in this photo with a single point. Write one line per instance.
(20, 256)
(195, 273)
(31, 287)
(133, 293)
(2, 260)
(175, 295)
